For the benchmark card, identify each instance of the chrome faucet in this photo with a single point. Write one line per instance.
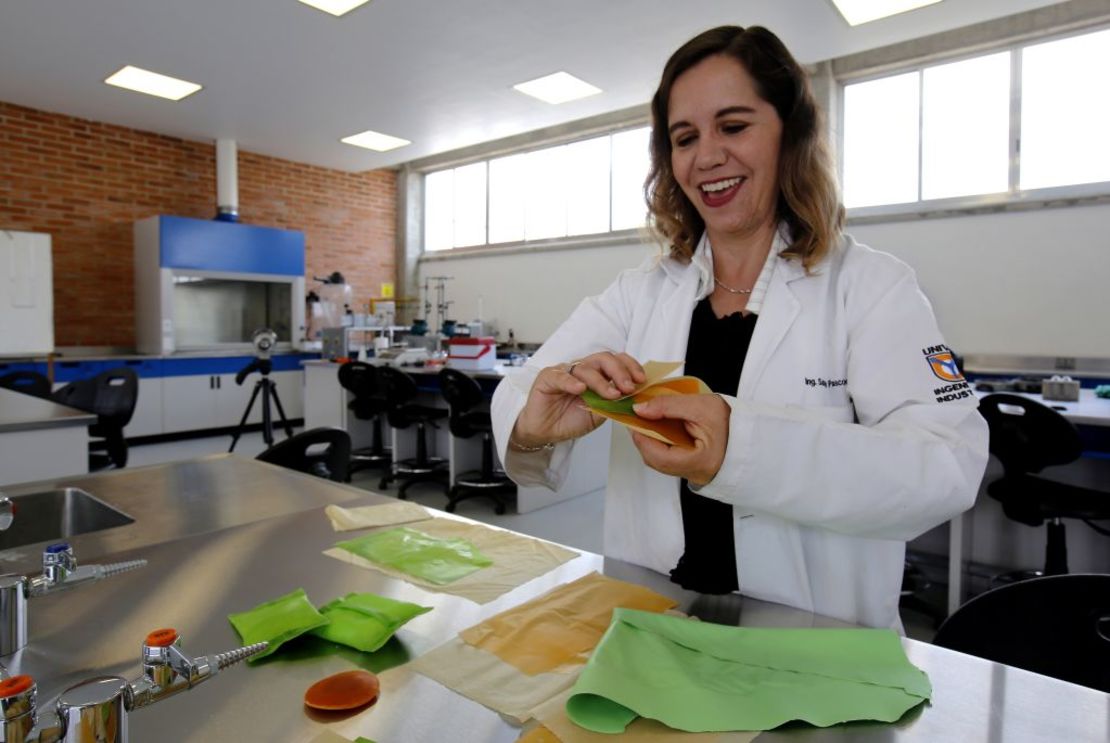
(96, 710)
(59, 572)
(7, 512)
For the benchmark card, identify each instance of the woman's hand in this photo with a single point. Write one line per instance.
(706, 418)
(555, 412)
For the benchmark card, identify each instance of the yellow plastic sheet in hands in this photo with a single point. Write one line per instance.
(667, 430)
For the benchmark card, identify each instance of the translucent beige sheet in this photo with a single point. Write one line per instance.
(553, 719)
(368, 517)
(516, 560)
(559, 630)
(528, 654)
(488, 680)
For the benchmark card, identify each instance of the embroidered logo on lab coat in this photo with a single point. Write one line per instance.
(944, 366)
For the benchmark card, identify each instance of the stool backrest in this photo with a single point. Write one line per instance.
(330, 456)
(1027, 436)
(460, 390)
(1058, 625)
(27, 382)
(112, 395)
(396, 386)
(361, 380)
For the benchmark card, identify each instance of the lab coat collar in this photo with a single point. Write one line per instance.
(700, 267)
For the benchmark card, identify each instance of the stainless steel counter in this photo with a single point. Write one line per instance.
(193, 582)
(22, 412)
(181, 499)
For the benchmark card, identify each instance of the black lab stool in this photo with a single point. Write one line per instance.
(399, 390)
(464, 397)
(367, 403)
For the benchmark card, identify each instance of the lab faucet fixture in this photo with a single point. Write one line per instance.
(59, 572)
(7, 512)
(96, 710)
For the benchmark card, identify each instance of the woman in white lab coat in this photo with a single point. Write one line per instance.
(840, 427)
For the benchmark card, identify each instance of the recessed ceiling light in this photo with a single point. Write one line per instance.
(559, 87)
(151, 83)
(865, 11)
(376, 141)
(335, 7)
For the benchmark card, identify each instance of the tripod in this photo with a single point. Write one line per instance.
(269, 390)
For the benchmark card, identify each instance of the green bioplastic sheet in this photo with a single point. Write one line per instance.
(439, 561)
(365, 621)
(277, 621)
(702, 677)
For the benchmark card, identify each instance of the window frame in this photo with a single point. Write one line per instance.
(1014, 198)
(595, 239)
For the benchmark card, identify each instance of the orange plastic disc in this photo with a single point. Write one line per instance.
(9, 687)
(346, 690)
(161, 638)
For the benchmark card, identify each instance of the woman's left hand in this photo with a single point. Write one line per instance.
(706, 418)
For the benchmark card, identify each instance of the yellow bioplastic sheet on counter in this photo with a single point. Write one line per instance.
(368, 517)
(515, 559)
(561, 627)
(668, 430)
(699, 676)
(531, 635)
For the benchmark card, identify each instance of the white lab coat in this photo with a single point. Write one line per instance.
(843, 443)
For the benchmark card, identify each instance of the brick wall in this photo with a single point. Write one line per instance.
(85, 183)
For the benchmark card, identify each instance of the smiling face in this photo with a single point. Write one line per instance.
(725, 143)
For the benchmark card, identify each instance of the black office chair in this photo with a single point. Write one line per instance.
(369, 404)
(399, 389)
(1056, 625)
(27, 382)
(463, 395)
(324, 452)
(1027, 437)
(111, 395)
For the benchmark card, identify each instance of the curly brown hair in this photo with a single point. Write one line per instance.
(808, 202)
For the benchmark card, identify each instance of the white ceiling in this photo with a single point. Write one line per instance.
(289, 81)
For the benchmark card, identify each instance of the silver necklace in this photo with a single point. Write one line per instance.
(728, 288)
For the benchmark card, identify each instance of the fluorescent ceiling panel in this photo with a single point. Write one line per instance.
(865, 11)
(559, 87)
(335, 7)
(376, 141)
(152, 83)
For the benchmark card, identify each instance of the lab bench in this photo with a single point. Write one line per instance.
(223, 534)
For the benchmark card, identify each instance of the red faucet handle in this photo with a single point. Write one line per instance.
(13, 685)
(161, 638)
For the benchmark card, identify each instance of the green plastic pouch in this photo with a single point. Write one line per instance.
(365, 621)
(277, 621)
(438, 561)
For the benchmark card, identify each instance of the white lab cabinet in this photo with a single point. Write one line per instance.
(26, 294)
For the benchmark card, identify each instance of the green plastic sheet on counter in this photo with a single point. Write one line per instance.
(702, 677)
(277, 621)
(365, 621)
(439, 561)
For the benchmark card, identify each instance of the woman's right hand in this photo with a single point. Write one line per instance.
(554, 411)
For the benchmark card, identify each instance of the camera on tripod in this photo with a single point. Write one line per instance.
(263, 341)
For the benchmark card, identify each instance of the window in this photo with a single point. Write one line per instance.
(996, 124)
(589, 187)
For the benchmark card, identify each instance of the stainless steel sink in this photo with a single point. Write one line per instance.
(58, 514)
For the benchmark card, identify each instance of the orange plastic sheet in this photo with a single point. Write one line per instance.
(558, 630)
(656, 384)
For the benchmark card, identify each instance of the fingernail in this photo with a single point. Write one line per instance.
(638, 407)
